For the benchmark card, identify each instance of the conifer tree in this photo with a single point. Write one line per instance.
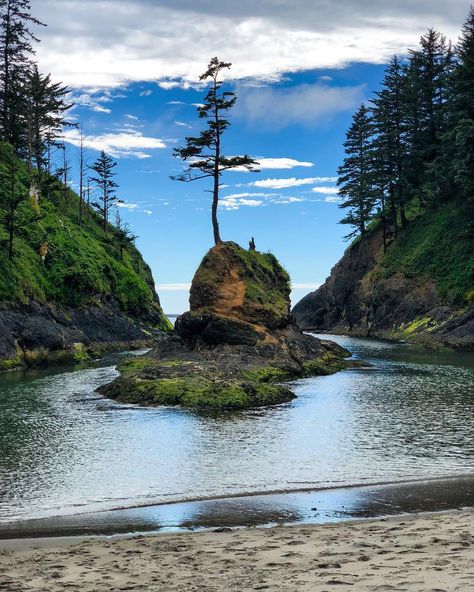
(426, 87)
(458, 141)
(104, 182)
(390, 128)
(16, 208)
(46, 105)
(356, 175)
(204, 153)
(16, 49)
(123, 234)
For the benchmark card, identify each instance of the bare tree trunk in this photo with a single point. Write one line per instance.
(215, 193)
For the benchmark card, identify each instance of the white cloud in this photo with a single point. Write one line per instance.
(119, 145)
(306, 104)
(174, 287)
(182, 124)
(127, 206)
(132, 117)
(292, 182)
(332, 199)
(276, 163)
(326, 190)
(238, 200)
(110, 42)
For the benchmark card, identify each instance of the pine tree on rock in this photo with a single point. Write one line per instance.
(104, 182)
(204, 153)
(355, 179)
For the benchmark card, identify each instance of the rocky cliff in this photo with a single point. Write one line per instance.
(421, 289)
(69, 290)
(235, 346)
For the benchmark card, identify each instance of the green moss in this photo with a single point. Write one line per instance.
(11, 364)
(438, 244)
(266, 374)
(201, 392)
(324, 366)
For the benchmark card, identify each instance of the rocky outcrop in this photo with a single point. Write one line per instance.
(363, 297)
(235, 346)
(35, 334)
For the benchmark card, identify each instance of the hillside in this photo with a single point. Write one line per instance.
(421, 289)
(67, 291)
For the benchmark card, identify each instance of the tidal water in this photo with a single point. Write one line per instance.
(65, 450)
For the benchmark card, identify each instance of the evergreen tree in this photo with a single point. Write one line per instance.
(104, 182)
(204, 153)
(45, 115)
(16, 49)
(390, 129)
(16, 207)
(356, 174)
(123, 235)
(426, 92)
(457, 160)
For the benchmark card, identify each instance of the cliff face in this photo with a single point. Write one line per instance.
(421, 289)
(70, 289)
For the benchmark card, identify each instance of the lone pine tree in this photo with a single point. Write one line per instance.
(203, 153)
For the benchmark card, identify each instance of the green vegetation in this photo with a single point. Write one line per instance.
(267, 284)
(439, 245)
(200, 392)
(56, 260)
(411, 150)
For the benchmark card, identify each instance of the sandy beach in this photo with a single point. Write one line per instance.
(432, 552)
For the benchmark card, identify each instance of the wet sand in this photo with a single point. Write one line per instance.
(431, 552)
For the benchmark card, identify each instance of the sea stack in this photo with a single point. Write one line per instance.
(235, 346)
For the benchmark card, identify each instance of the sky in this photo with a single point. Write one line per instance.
(300, 68)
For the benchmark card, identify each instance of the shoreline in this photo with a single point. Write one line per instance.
(302, 506)
(419, 552)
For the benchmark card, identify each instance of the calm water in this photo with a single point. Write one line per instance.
(64, 450)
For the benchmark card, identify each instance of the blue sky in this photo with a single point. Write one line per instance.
(298, 78)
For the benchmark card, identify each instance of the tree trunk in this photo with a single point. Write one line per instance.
(11, 232)
(215, 202)
(215, 192)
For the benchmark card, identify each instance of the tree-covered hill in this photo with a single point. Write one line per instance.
(407, 188)
(63, 264)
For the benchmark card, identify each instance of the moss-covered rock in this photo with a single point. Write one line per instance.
(247, 285)
(237, 345)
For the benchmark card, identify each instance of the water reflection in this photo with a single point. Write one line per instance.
(63, 449)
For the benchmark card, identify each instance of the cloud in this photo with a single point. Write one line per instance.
(332, 199)
(110, 42)
(119, 145)
(184, 287)
(292, 182)
(326, 190)
(237, 200)
(276, 163)
(305, 104)
(127, 206)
